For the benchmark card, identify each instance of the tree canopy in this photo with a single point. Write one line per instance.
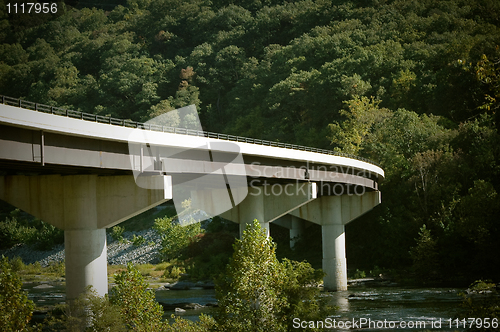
(411, 84)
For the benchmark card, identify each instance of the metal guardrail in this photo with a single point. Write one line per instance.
(174, 130)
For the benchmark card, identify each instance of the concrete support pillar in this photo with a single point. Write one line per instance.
(334, 258)
(86, 262)
(296, 230)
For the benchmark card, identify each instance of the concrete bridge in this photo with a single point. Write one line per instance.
(84, 173)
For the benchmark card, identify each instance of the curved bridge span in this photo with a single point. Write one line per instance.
(84, 173)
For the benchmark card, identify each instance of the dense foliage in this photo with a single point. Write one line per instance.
(411, 84)
(175, 238)
(18, 228)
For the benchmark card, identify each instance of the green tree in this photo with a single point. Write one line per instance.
(138, 305)
(258, 293)
(250, 293)
(362, 114)
(15, 306)
(425, 254)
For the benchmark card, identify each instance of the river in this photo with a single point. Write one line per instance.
(361, 307)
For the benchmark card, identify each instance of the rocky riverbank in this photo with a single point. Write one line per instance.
(119, 252)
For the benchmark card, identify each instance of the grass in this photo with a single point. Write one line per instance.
(150, 272)
(31, 272)
(35, 272)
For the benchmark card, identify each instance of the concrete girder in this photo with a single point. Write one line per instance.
(64, 201)
(338, 209)
(83, 206)
(264, 203)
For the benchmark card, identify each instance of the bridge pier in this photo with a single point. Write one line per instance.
(84, 206)
(334, 258)
(332, 213)
(86, 261)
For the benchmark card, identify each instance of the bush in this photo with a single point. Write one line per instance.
(117, 233)
(15, 231)
(484, 303)
(175, 238)
(173, 272)
(47, 236)
(425, 255)
(205, 324)
(12, 232)
(210, 255)
(250, 292)
(15, 306)
(90, 312)
(138, 240)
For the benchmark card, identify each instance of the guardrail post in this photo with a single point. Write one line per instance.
(20, 103)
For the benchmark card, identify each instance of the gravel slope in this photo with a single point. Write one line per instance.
(118, 253)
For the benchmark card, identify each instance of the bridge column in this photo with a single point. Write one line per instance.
(84, 206)
(332, 213)
(86, 261)
(334, 259)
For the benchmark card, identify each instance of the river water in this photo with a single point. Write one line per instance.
(360, 308)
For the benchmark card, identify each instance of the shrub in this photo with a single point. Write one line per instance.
(205, 324)
(138, 240)
(117, 233)
(302, 292)
(425, 255)
(15, 306)
(47, 236)
(15, 231)
(90, 312)
(173, 272)
(12, 232)
(485, 303)
(175, 238)
(210, 255)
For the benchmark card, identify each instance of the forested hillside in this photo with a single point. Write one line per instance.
(411, 84)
